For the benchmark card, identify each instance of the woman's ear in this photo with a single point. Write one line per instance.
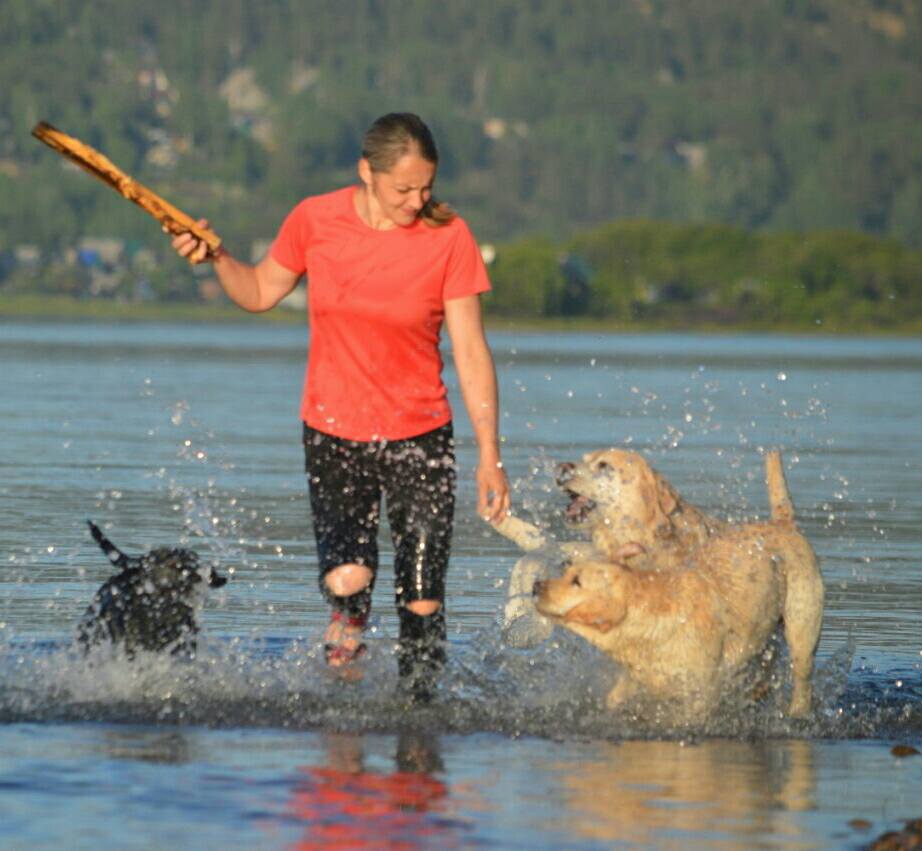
(364, 169)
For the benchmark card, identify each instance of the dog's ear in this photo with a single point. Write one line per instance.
(626, 551)
(668, 498)
(600, 615)
(662, 501)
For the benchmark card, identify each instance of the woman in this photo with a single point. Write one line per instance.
(386, 265)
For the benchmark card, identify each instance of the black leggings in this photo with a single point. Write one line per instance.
(347, 480)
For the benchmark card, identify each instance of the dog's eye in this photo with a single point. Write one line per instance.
(603, 467)
(575, 581)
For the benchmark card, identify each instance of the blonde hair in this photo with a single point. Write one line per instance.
(395, 135)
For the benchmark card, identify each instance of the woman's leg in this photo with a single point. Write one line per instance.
(420, 497)
(345, 504)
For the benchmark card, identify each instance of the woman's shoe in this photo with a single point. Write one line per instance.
(343, 644)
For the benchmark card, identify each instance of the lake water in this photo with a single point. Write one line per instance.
(166, 432)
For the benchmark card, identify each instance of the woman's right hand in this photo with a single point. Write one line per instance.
(190, 246)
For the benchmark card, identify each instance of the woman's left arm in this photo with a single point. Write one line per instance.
(477, 378)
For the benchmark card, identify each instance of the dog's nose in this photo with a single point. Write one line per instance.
(565, 472)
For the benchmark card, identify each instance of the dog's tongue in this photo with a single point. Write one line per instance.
(579, 505)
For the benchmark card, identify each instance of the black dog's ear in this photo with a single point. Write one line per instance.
(216, 581)
(113, 553)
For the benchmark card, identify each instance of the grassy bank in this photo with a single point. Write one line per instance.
(28, 307)
(14, 307)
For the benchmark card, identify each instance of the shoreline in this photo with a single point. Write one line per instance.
(57, 308)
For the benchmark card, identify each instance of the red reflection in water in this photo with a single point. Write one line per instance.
(344, 806)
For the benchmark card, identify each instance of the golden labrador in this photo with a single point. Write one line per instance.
(619, 498)
(683, 634)
(621, 501)
(523, 626)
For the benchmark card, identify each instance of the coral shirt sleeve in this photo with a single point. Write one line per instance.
(290, 246)
(465, 272)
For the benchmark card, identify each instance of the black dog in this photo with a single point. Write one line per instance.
(152, 604)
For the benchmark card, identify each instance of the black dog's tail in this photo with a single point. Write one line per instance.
(113, 553)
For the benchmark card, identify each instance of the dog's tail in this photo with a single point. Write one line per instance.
(113, 553)
(778, 497)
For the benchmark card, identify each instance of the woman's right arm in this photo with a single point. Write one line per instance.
(254, 288)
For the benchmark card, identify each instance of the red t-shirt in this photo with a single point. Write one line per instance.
(376, 301)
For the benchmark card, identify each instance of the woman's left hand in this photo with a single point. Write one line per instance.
(492, 491)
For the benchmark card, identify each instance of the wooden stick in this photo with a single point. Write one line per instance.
(89, 159)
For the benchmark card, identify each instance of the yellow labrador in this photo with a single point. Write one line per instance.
(523, 626)
(619, 498)
(621, 501)
(682, 635)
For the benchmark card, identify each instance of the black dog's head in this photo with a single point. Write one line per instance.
(152, 603)
(173, 568)
(167, 567)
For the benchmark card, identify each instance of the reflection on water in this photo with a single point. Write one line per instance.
(167, 747)
(734, 792)
(343, 804)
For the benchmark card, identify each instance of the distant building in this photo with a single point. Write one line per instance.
(248, 104)
(494, 128)
(693, 155)
(26, 256)
(104, 251)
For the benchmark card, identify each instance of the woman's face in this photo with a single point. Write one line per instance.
(400, 193)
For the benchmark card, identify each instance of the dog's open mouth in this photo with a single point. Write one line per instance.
(579, 508)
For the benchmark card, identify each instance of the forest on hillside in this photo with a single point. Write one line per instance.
(553, 116)
(689, 275)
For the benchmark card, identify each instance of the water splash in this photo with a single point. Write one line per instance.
(555, 691)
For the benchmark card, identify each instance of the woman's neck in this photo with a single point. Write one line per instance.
(369, 211)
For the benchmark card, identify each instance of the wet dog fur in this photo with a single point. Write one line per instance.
(619, 498)
(523, 626)
(151, 604)
(683, 634)
(620, 501)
